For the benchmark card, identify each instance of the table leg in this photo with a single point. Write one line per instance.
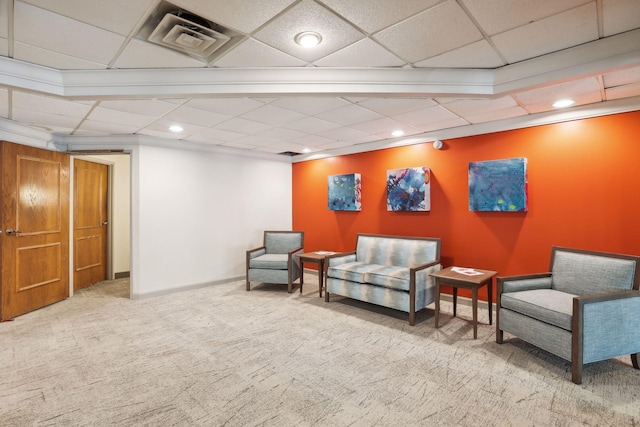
(474, 302)
(320, 276)
(455, 300)
(437, 301)
(489, 300)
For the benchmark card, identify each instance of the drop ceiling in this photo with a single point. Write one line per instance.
(84, 73)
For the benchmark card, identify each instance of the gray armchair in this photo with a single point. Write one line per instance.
(274, 261)
(585, 309)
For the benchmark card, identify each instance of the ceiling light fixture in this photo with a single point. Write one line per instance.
(397, 133)
(562, 103)
(308, 39)
(306, 150)
(176, 128)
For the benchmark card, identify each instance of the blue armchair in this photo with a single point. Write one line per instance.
(274, 261)
(585, 309)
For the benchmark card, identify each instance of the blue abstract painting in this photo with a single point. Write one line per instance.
(345, 192)
(409, 189)
(498, 185)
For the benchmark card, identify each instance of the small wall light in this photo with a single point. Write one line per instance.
(308, 39)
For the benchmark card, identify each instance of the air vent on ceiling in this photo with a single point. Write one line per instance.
(289, 153)
(189, 34)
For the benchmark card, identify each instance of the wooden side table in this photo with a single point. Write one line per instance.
(316, 258)
(448, 276)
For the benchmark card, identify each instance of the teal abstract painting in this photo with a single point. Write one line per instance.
(345, 192)
(409, 189)
(498, 185)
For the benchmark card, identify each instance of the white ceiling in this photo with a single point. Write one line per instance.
(79, 68)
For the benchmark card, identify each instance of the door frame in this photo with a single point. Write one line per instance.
(109, 255)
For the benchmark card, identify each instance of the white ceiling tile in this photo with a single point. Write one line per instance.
(424, 116)
(160, 134)
(231, 106)
(439, 125)
(203, 139)
(235, 144)
(334, 145)
(550, 94)
(619, 16)
(487, 116)
(308, 16)
(108, 128)
(272, 115)
(312, 140)
(625, 91)
(281, 134)
(363, 53)
(479, 54)
(140, 54)
(219, 134)
(349, 115)
(242, 15)
(38, 118)
(435, 31)
(384, 124)
(4, 47)
(344, 134)
(571, 28)
(4, 97)
(496, 16)
(4, 19)
(148, 107)
(622, 77)
(120, 117)
(465, 107)
(374, 15)
(256, 141)
(310, 105)
(118, 16)
(47, 104)
(196, 116)
(311, 125)
(391, 106)
(35, 55)
(243, 126)
(252, 53)
(47, 30)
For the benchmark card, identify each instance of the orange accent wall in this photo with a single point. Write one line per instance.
(584, 178)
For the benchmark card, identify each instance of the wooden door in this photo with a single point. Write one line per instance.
(89, 223)
(35, 228)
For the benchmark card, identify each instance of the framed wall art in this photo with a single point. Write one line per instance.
(409, 189)
(345, 192)
(498, 185)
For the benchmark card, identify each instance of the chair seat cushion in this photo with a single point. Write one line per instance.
(352, 271)
(270, 261)
(547, 305)
(392, 277)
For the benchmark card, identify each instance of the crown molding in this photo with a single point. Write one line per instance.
(614, 52)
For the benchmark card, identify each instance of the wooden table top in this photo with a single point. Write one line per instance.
(450, 275)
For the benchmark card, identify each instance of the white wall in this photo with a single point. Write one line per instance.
(195, 214)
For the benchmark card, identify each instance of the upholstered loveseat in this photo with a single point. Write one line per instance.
(391, 271)
(585, 309)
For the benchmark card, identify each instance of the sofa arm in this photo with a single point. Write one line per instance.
(341, 258)
(525, 282)
(604, 326)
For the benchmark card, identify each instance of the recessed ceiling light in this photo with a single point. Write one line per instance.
(306, 150)
(562, 103)
(397, 133)
(308, 39)
(176, 128)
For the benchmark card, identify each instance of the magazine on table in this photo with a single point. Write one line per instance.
(466, 271)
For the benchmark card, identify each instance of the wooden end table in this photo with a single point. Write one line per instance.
(448, 276)
(316, 258)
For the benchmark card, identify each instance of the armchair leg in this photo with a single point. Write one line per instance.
(326, 296)
(412, 318)
(634, 360)
(248, 285)
(499, 335)
(576, 372)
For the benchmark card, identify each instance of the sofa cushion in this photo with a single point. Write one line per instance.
(352, 271)
(390, 277)
(585, 274)
(547, 305)
(396, 251)
(270, 261)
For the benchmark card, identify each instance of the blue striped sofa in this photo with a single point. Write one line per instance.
(585, 309)
(391, 271)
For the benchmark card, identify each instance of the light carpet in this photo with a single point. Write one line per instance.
(221, 356)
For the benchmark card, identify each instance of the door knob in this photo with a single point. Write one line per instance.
(105, 222)
(11, 231)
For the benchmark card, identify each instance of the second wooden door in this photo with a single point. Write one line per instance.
(90, 223)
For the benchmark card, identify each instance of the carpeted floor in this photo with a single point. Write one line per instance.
(223, 356)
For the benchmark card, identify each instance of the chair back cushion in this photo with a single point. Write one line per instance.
(397, 251)
(282, 242)
(585, 274)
